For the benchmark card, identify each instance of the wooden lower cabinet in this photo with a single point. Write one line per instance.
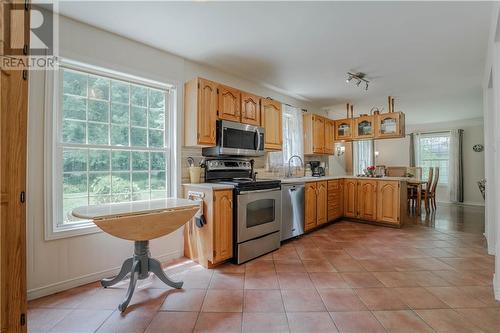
(350, 193)
(212, 243)
(321, 203)
(310, 207)
(389, 201)
(335, 199)
(367, 200)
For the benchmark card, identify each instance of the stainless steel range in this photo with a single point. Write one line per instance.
(257, 215)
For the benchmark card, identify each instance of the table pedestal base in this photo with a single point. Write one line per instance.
(139, 267)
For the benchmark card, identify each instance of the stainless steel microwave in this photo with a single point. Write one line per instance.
(236, 139)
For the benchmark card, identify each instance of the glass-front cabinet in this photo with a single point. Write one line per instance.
(390, 125)
(364, 127)
(343, 129)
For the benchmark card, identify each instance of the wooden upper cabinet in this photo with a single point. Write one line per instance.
(229, 103)
(200, 112)
(310, 205)
(329, 137)
(272, 123)
(250, 109)
(364, 127)
(367, 200)
(321, 202)
(390, 125)
(388, 205)
(350, 193)
(223, 225)
(318, 134)
(344, 129)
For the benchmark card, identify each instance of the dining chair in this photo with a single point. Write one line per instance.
(424, 193)
(432, 193)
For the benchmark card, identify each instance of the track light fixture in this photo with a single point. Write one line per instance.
(359, 77)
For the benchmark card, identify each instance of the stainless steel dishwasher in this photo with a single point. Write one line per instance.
(292, 210)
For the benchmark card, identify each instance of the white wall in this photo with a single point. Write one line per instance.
(60, 264)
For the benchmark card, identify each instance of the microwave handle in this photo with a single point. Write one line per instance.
(257, 133)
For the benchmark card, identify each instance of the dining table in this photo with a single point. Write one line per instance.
(140, 222)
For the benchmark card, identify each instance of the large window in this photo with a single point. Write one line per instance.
(293, 139)
(363, 155)
(111, 141)
(434, 151)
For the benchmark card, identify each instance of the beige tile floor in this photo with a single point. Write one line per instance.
(346, 277)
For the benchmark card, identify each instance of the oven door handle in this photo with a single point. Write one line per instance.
(259, 191)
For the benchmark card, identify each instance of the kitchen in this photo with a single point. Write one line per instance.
(304, 167)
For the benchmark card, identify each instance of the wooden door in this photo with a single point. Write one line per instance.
(367, 200)
(335, 201)
(250, 109)
(350, 209)
(207, 111)
(223, 225)
(310, 205)
(272, 123)
(13, 123)
(321, 203)
(318, 134)
(329, 136)
(388, 204)
(229, 103)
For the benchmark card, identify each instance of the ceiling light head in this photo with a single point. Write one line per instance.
(358, 83)
(349, 78)
(366, 86)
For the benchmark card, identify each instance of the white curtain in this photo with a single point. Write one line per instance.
(293, 139)
(455, 178)
(363, 155)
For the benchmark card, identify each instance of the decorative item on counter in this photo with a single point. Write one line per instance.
(194, 171)
(308, 172)
(370, 171)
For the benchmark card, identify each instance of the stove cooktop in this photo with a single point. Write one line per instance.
(247, 184)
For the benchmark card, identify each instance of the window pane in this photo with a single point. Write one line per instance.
(74, 83)
(139, 96)
(140, 196)
(157, 161)
(140, 161)
(156, 99)
(156, 138)
(158, 194)
(75, 183)
(99, 199)
(119, 92)
(120, 160)
(74, 107)
(99, 183)
(124, 197)
(98, 88)
(119, 114)
(98, 111)
(74, 160)
(138, 137)
(156, 118)
(138, 116)
(74, 131)
(119, 135)
(98, 133)
(120, 182)
(158, 180)
(98, 160)
(140, 181)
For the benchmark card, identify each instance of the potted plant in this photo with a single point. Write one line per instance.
(370, 171)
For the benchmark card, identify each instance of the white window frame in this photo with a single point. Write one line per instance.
(419, 159)
(54, 229)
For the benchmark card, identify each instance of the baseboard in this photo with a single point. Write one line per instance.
(89, 278)
(470, 203)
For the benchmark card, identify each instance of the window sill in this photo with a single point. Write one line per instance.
(61, 232)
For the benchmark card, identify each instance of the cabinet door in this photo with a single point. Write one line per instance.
(367, 200)
(271, 121)
(343, 129)
(207, 111)
(250, 109)
(364, 127)
(335, 201)
(388, 201)
(389, 125)
(329, 136)
(223, 225)
(321, 203)
(229, 103)
(310, 206)
(318, 135)
(350, 198)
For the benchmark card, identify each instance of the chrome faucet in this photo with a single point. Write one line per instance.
(289, 173)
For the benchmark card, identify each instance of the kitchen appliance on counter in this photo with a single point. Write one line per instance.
(292, 210)
(257, 214)
(236, 139)
(317, 169)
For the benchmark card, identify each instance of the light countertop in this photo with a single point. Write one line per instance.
(209, 186)
(315, 179)
(93, 212)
